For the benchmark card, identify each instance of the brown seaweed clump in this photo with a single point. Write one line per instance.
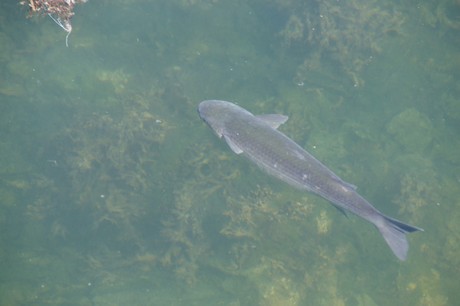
(331, 34)
(61, 11)
(105, 166)
(443, 14)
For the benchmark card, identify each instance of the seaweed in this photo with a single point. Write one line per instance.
(346, 34)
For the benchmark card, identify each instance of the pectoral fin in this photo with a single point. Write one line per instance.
(235, 148)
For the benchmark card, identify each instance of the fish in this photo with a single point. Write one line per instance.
(257, 138)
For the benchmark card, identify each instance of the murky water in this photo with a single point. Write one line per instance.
(114, 192)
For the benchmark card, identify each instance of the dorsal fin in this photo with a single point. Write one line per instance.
(273, 120)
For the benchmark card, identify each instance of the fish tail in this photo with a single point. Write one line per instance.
(394, 232)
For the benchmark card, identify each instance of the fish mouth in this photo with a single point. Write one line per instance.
(205, 109)
(200, 111)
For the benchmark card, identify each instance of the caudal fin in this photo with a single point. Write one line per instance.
(394, 233)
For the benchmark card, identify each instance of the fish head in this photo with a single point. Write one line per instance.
(217, 114)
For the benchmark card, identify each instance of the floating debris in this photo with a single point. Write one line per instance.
(61, 11)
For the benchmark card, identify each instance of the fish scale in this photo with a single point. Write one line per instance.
(258, 139)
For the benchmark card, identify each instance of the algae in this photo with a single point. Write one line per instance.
(128, 199)
(411, 129)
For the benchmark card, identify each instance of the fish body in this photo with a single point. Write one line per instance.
(257, 138)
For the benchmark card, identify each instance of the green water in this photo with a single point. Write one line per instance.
(114, 192)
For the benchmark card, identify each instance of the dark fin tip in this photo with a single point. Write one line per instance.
(403, 227)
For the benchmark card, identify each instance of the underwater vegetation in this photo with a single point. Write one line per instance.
(411, 129)
(105, 165)
(347, 34)
(441, 13)
(132, 188)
